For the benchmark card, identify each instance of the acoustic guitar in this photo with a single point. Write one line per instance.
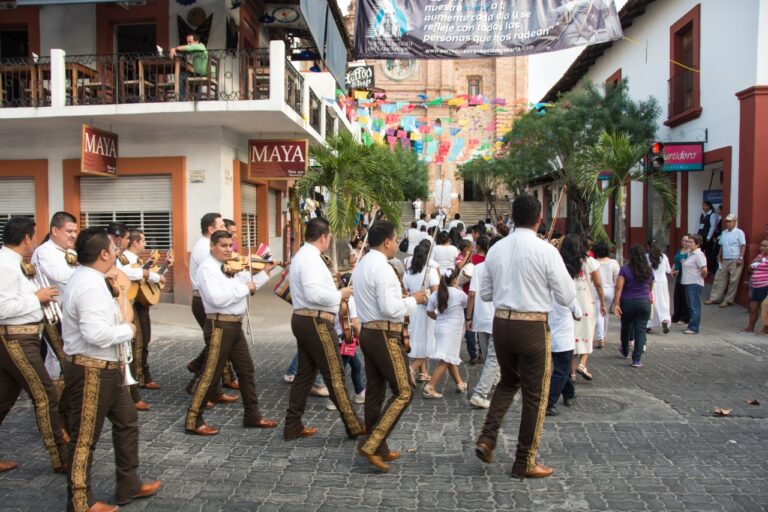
(133, 291)
(149, 293)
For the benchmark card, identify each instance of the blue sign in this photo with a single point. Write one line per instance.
(714, 196)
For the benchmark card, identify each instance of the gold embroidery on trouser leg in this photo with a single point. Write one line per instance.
(138, 343)
(90, 409)
(198, 399)
(530, 463)
(337, 377)
(39, 396)
(227, 376)
(400, 401)
(54, 340)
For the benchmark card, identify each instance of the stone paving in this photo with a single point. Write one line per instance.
(634, 440)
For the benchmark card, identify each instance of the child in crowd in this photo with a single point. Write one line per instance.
(563, 343)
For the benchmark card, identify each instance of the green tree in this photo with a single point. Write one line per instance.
(615, 154)
(414, 173)
(553, 142)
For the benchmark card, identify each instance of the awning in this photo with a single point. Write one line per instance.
(327, 35)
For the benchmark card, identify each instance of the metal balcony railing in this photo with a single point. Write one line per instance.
(681, 96)
(314, 110)
(20, 84)
(294, 87)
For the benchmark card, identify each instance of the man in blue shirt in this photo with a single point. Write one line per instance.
(733, 243)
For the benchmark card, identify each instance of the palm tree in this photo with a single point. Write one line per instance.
(615, 153)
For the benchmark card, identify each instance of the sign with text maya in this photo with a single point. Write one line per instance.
(98, 153)
(683, 156)
(277, 159)
(468, 29)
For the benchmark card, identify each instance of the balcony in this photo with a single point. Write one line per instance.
(684, 98)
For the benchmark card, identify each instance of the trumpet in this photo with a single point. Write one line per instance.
(52, 309)
(125, 357)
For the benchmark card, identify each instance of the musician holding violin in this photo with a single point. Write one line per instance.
(224, 291)
(316, 301)
(94, 329)
(21, 321)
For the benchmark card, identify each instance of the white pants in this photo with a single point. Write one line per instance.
(601, 327)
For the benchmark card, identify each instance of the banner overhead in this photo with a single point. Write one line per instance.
(98, 152)
(456, 29)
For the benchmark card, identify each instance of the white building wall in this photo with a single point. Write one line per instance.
(71, 27)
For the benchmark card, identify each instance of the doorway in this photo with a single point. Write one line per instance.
(14, 43)
(136, 38)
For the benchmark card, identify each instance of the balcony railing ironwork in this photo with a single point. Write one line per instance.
(294, 87)
(20, 84)
(681, 92)
(330, 121)
(314, 110)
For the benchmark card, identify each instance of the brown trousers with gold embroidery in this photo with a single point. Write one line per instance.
(318, 346)
(98, 394)
(52, 336)
(523, 353)
(228, 373)
(141, 343)
(21, 367)
(385, 363)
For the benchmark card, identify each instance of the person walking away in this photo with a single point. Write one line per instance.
(446, 306)
(421, 328)
(707, 228)
(730, 257)
(561, 328)
(521, 274)
(758, 291)
(680, 315)
(633, 303)
(661, 316)
(609, 272)
(694, 271)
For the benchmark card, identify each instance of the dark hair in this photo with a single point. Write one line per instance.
(381, 231)
(423, 228)
(478, 229)
(654, 254)
(502, 229)
(218, 235)
(526, 211)
(316, 228)
(413, 224)
(464, 244)
(542, 230)
(457, 216)
(572, 252)
(17, 229)
(495, 239)
(355, 241)
(708, 203)
(455, 235)
(89, 244)
(698, 240)
(423, 215)
(460, 226)
(134, 236)
(117, 229)
(442, 290)
(194, 36)
(601, 250)
(431, 230)
(487, 220)
(420, 254)
(433, 215)
(638, 263)
(228, 223)
(443, 237)
(59, 219)
(483, 244)
(208, 221)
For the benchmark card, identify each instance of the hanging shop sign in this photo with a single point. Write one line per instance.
(683, 156)
(98, 154)
(456, 29)
(277, 159)
(360, 77)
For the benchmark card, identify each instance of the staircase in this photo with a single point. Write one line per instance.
(406, 215)
(472, 211)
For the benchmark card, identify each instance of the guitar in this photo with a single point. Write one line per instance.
(133, 291)
(149, 293)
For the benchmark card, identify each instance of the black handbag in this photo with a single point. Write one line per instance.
(403, 245)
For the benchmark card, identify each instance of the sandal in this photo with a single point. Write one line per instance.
(746, 331)
(461, 388)
(582, 370)
(424, 377)
(429, 392)
(599, 343)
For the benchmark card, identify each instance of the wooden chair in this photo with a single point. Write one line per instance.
(133, 84)
(210, 80)
(102, 89)
(258, 83)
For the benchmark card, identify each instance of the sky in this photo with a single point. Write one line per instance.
(544, 70)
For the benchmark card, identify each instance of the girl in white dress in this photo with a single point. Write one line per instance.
(661, 267)
(446, 307)
(609, 272)
(421, 328)
(444, 253)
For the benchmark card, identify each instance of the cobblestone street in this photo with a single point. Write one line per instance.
(634, 440)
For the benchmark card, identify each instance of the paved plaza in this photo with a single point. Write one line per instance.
(634, 440)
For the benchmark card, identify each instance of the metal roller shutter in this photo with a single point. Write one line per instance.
(248, 230)
(17, 198)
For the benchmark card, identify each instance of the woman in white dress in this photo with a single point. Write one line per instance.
(421, 328)
(444, 253)
(662, 316)
(609, 272)
(446, 306)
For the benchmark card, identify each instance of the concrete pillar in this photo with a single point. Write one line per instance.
(58, 78)
(277, 65)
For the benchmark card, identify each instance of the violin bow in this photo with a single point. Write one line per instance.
(250, 276)
(376, 217)
(557, 211)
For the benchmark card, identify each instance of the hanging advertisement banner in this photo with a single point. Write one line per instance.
(456, 29)
(98, 152)
(683, 156)
(277, 159)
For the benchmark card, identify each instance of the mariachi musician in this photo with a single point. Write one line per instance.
(134, 271)
(21, 316)
(97, 340)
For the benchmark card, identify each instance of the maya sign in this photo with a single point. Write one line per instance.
(98, 154)
(277, 159)
(684, 156)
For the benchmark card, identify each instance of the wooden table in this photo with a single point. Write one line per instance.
(164, 67)
(75, 70)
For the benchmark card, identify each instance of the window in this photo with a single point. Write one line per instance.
(474, 85)
(17, 199)
(136, 38)
(684, 81)
(14, 43)
(249, 235)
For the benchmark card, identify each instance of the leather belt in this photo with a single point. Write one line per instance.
(21, 329)
(225, 318)
(315, 313)
(92, 362)
(383, 325)
(508, 314)
(196, 293)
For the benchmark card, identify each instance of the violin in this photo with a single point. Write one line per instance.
(346, 322)
(234, 266)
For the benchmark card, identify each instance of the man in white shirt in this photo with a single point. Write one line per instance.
(433, 221)
(417, 204)
(21, 365)
(730, 257)
(315, 301)
(480, 321)
(422, 221)
(209, 224)
(225, 301)
(94, 333)
(521, 275)
(455, 222)
(381, 310)
(414, 237)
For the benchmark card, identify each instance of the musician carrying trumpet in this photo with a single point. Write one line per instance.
(21, 365)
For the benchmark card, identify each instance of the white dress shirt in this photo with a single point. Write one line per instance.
(378, 293)
(482, 313)
(200, 251)
(414, 237)
(223, 294)
(50, 259)
(561, 325)
(520, 272)
(135, 273)
(18, 303)
(91, 324)
(420, 223)
(312, 285)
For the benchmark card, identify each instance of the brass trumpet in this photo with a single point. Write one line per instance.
(51, 310)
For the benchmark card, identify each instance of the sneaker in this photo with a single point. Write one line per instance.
(552, 411)
(319, 391)
(360, 397)
(688, 331)
(288, 378)
(636, 363)
(330, 407)
(623, 352)
(568, 401)
(665, 327)
(479, 402)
